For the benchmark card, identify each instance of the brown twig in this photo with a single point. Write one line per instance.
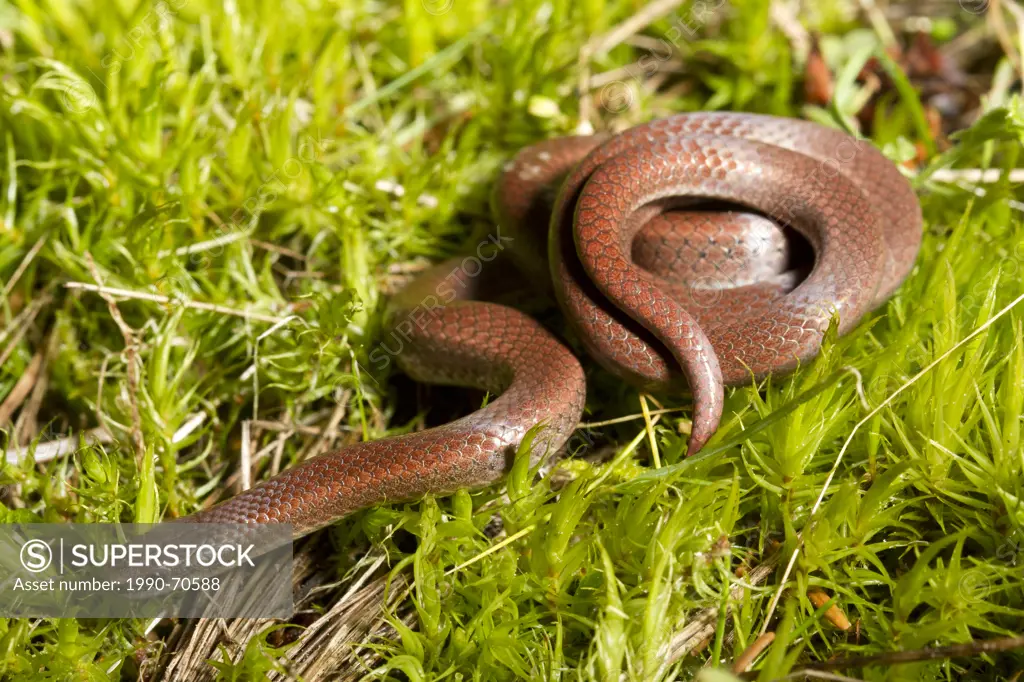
(284, 251)
(601, 44)
(998, 23)
(21, 324)
(21, 388)
(702, 626)
(821, 675)
(305, 430)
(130, 358)
(648, 14)
(52, 449)
(330, 431)
(157, 298)
(628, 418)
(28, 420)
(753, 651)
(984, 646)
(245, 457)
(337, 645)
(784, 15)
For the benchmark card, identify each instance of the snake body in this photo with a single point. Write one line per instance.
(662, 289)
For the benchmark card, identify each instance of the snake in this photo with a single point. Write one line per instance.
(672, 249)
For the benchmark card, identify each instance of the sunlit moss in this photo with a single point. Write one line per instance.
(269, 170)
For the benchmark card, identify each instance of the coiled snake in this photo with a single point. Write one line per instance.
(661, 290)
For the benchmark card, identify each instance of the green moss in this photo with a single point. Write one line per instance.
(232, 163)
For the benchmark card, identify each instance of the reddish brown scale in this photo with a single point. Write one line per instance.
(464, 343)
(712, 249)
(654, 334)
(662, 294)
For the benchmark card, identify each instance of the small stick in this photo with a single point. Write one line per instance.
(245, 465)
(157, 298)
(21, 324)
(186, 429)
(21, 388)
(286, 428)
(650, 13)
(131, 357)
(998, 22)
(784, 16)
(752, 652)
(275, 463)
(101, 381)
(879, 23)
(28, 420)
(199, 247)
(627, 418)
(983, 646)
(284, 251)
(821, 675)
(59, 447)
(977, 175)
(330, 431)
(625, 72)
(23, 266)
(702, 626)
(650, 432)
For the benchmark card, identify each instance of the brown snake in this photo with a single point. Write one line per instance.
(663, 290)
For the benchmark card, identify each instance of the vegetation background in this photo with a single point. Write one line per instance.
(203, 206)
